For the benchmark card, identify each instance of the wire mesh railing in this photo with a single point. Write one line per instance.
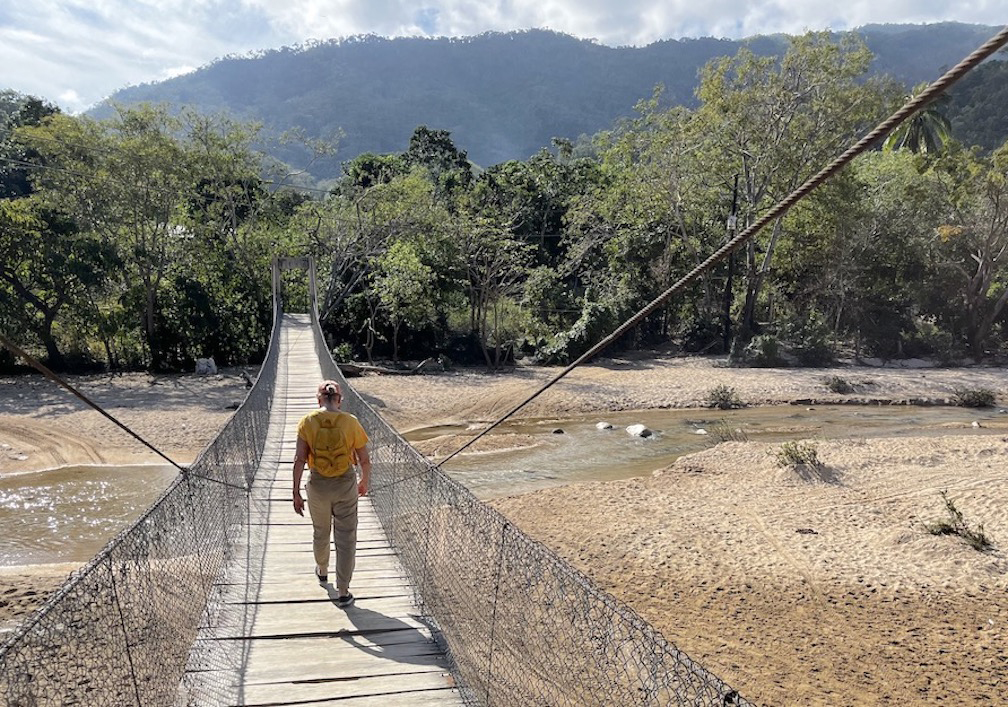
(119, 631)
(521, 625)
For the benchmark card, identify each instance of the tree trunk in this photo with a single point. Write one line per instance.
(53, 354)
(756, 277)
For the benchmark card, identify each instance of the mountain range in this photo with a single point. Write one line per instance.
(501, 95)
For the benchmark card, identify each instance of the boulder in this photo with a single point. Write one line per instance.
(639, 431)
(603, 425)
(206, 366)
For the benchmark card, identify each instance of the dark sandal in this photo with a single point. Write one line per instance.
(322, 578)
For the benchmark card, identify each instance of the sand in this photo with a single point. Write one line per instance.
(798, 586)
(642, 383)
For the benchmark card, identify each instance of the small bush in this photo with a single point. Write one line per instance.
(814, 353)
(926, 338)
(974, 397)
(723, 397)
(763, 352)
(701, 334)
(956, 525)
(799, 453)
(836, 384)
(724, 432)
(342, 353)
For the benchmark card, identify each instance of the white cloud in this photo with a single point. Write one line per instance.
(70, 99)
(173, 71)
(98, 46)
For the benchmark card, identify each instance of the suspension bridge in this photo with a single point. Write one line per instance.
(209, 598)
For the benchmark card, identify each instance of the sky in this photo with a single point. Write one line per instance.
(74, 53)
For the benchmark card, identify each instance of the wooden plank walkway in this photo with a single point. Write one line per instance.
(301, 648)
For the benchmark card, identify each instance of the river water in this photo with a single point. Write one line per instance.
(584, 453)
(69, 514)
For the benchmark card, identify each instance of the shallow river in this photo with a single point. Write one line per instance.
(584, 453)
(69, 514)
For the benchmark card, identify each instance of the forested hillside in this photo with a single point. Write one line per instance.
(501, 96)
(978, 106)
(145, 241)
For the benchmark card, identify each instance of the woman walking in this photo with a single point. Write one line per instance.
(331, 443)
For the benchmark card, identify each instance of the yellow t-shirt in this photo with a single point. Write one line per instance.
(333, 438)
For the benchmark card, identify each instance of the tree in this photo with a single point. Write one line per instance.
(448, 166)
(368, 170)
(347, 233)
(774, 121)
(974, 240)
(647, 219)
(218, 284)
(19, 159)
(495, 266)
(125, 182)
(403, 284)
(47, 265)
(926, 131)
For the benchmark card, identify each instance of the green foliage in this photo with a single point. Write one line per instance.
(798, 453)
(342, 352)
(157, 227)
(723, 397)
(974, 397)
(956, 524)
(596, 321)
(403, 283)
(977, 101)
(926, 131)
(763, 351)
(808, 339)
(927, 338)
(502, 95)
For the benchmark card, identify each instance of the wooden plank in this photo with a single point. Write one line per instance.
(302, 649)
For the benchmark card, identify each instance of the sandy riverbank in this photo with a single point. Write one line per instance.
(796, 586)
(471, 395)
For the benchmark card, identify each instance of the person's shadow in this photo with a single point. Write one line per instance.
(389, 638)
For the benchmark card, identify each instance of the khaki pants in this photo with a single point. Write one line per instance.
(332, 503)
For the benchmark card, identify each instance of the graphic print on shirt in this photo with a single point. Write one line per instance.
(330, 451)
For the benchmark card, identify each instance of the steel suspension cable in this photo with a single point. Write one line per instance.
(913, 105)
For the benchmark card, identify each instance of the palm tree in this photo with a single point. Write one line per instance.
(927, 130)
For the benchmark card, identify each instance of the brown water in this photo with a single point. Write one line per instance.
(70, 513)
(584, 453)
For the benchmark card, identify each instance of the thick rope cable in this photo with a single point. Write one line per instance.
(55, 378)
(915, 104)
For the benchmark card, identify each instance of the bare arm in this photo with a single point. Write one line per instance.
(364, 459)
(300, 459)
